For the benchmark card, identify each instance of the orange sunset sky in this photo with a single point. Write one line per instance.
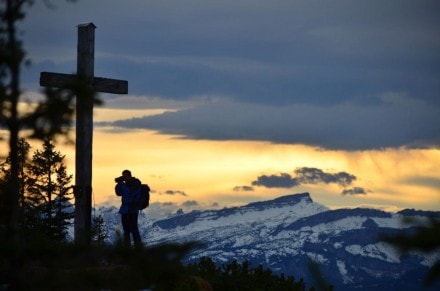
(213, 173)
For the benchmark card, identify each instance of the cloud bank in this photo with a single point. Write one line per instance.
(395, 121)
(174, 192)
(339, 75)
(307, 175)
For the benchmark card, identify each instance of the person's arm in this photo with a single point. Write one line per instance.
(121, 189)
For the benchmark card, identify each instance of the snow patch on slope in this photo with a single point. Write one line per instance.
(344, 273)
(379, 251)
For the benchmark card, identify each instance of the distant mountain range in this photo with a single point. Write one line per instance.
(293, 235)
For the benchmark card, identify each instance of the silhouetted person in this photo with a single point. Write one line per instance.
(128, 187)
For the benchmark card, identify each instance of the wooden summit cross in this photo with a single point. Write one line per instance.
(84, 124)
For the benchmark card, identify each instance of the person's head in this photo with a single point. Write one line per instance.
(126, 174)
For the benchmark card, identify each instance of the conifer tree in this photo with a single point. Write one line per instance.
(44, 190)
(23, 177)
(63, 211)
(99, 231)
(52, 116)
(51, 190)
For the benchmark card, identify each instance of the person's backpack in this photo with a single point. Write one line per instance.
(143, 201)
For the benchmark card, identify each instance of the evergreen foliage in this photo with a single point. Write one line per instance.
(99, 231)
(45, 191)
(52, 265)
(51, 186)
(49, 118)
(236, 276)
(23, 177)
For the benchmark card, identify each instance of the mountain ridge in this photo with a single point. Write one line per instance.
(288, 233)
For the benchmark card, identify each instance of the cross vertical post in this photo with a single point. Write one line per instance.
(84, 135)
(84, 124)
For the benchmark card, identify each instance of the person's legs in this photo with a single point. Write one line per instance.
(126, 226)
(134, 228)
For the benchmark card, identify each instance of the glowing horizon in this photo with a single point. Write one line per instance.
(208, 171)
(179, 169)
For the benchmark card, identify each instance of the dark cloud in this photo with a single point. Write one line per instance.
(321, 73)
(175, 192)
(397, 120)
(279, 53)
(306, 175)
(190, 203)
(355, 191)
(315, 176)
(282, 180)
(243, 188)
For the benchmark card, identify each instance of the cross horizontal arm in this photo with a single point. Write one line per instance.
(56, 80)
(104, 85)
(114, 86)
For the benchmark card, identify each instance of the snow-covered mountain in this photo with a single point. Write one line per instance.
(292, 233)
